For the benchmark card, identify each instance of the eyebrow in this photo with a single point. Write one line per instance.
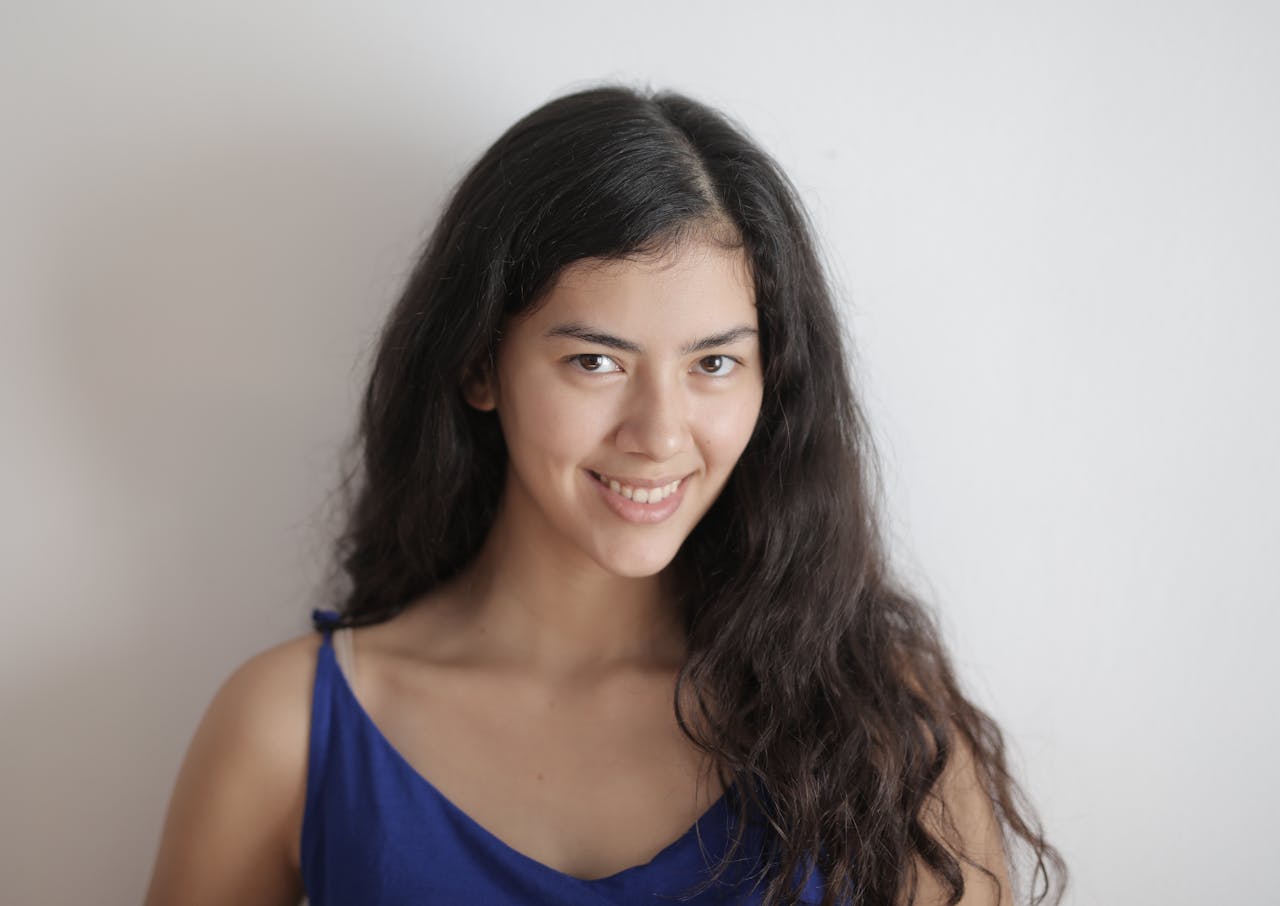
(589, 334)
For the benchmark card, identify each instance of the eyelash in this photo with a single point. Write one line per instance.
(574, 360)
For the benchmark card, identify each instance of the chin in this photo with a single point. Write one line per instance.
(637, 564)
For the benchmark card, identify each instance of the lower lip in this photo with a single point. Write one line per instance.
(642, 513)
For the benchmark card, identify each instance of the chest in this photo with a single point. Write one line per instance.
(588, 781)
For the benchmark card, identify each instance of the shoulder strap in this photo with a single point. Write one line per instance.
(344, 648)
(340, 639)
(324, 621)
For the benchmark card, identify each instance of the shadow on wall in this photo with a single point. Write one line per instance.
(209, 310)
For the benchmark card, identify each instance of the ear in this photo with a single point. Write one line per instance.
(479, 387)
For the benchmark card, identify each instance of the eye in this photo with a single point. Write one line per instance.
(593, 363)
(718, 365)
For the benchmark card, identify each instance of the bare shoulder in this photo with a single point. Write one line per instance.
(264, 693)
(962, 813)
(232, 827)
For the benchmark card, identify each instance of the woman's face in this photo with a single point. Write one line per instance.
(632, 380)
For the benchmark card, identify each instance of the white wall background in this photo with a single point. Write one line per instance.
(1056, 228)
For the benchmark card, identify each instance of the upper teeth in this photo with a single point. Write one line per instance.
(641, 495)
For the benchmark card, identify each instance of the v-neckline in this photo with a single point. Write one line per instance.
(419, 778)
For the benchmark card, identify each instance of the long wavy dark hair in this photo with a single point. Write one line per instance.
(825, 694)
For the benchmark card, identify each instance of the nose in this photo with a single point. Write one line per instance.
(654, 423)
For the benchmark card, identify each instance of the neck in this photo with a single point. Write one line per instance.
(529, 604)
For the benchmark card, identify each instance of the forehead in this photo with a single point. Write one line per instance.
(687, 285)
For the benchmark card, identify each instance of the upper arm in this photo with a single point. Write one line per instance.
(237, 803)
(968, 823)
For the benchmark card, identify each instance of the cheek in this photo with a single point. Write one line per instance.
(543, 418)
(724, 427)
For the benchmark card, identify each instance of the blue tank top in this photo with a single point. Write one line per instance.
(375, 832)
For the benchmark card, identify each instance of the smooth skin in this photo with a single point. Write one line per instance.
(534, 688)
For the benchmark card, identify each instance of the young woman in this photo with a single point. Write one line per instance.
(617, 624)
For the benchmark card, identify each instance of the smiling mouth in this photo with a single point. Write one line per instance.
(639, 495)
